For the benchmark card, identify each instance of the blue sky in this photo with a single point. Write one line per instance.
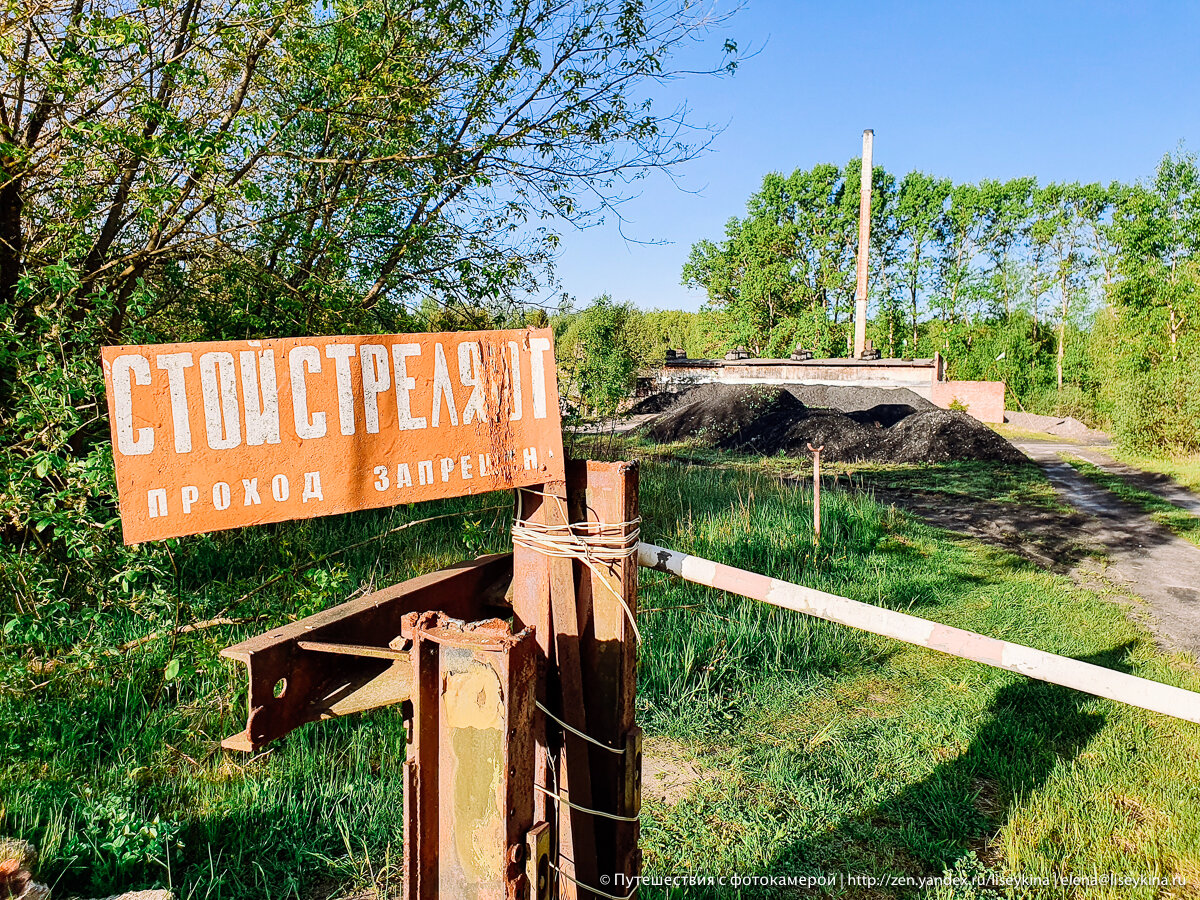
(1061, 90)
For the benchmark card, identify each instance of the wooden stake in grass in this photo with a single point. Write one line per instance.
(816, 452)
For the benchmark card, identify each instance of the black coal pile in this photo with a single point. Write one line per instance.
(771, 420)
(722, 415)
(851, 399)
(656, 403)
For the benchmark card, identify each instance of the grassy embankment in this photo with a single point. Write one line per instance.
(825, 749)
(1184, 469)
(1176, 520)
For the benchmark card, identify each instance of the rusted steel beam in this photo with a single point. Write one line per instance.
(469, 797)
(531, 609)
(291, 683)
(1091, 679)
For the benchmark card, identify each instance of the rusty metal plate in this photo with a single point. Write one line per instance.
(297, 676)
(217, 435)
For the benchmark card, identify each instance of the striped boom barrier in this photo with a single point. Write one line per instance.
(1072, 673)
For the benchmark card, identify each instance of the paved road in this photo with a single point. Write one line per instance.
(1143, 556)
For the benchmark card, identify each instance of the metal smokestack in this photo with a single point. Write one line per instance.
(864, 246)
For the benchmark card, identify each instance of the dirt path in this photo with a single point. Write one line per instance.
(1143, 556)
(1162, 485)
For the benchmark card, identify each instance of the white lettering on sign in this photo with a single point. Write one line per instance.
(174, 364)
(250, 492)
(376, 379)
(441, 387)
(312, 487)
(123, 367)
(513, 372)
(470, 365)
(538, 348)
(157, 501)
(340, 354)
(252, 413)
(261, 396)
(447, 469)
(300, 360)
(417, 417)
(404, 386)
(222, 421)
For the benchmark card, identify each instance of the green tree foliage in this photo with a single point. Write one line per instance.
(179, 171)
(1148, 342)
(1083, 298)
(920, 211)
(792, 255)
(977, 272)
(600, 351)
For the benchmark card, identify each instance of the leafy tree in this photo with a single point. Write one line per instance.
(187, 171)
(793, 253)
(1147, 388)
(1005, 209)
(1065, 208)
(960, 235)
(920, 219)
(600, 351)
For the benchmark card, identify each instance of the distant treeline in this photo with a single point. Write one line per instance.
(1084, 298)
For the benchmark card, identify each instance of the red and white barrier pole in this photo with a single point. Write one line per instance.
(1072, 673)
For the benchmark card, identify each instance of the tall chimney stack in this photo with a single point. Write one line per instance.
(864, 246)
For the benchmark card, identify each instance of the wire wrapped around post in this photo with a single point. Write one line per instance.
(594, 544)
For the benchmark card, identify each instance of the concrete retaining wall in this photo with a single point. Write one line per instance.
(983, 399)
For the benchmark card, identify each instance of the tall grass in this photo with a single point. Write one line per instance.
(830, 750)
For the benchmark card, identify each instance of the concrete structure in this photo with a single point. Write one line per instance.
(924, 377)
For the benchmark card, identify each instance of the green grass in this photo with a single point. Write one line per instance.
(828, 749)
(1179, 521)
(1023, 483)
(1184, 469)
(833, 750)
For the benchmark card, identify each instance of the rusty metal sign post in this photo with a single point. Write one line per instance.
(523, 775)
(516, 673)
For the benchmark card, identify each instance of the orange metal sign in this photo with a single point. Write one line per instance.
(217, 435)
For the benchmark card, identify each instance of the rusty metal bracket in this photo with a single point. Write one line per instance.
(343, 661)
(537, 860)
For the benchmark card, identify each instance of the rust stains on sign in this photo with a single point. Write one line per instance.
(210, 436)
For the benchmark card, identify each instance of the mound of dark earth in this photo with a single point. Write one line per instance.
(657, 402)
(771, 420)
(885, 415)
(721, 415)
(943, 435)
